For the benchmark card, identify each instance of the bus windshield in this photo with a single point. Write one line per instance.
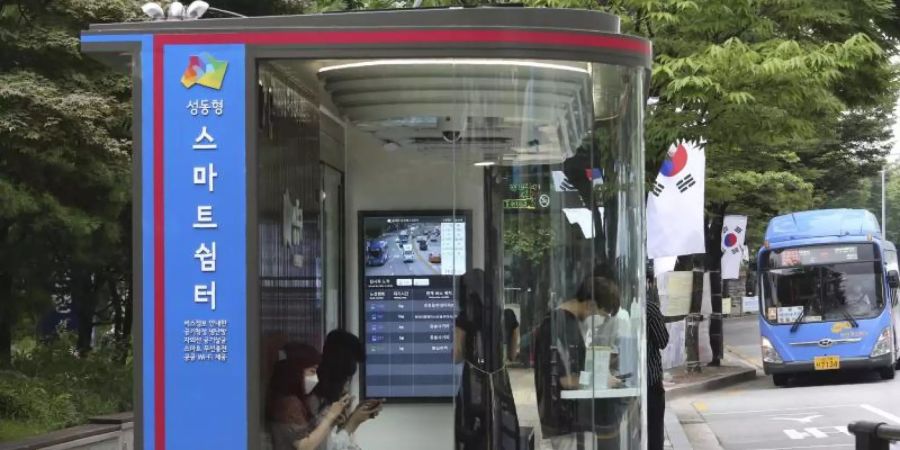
(824, 292)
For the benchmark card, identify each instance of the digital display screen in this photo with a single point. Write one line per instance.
(805, 256)
(411, 263)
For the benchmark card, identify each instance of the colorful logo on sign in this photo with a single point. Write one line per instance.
(675, 162)
(205, 71)
(730, 240)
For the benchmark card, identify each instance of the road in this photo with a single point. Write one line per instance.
(395, 265)
(812, 413)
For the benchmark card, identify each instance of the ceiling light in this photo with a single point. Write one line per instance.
(153, 11)
(451, 61)
(485, 163)
(197, 9)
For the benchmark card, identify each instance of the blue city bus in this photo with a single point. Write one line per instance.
(376, 253)
(828, 295)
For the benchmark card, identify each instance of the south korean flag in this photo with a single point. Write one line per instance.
(675, 204)
(734, 231)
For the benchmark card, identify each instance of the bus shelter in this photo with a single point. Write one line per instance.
(436, 182)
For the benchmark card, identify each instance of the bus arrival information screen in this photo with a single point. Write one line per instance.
(411, 264)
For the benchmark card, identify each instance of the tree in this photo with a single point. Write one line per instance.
(64, 162)
(778, 90)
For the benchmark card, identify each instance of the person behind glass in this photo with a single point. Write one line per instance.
(484, 409)
(559, 359)
(657, 340)
(291, 424)
(511, 334)
(341, 356)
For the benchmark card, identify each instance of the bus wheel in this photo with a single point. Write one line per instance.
(887, 373)
(780, 379)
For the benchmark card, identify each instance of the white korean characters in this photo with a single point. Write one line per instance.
(205, 339)
(205, 176)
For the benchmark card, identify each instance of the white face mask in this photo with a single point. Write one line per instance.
(310, 382)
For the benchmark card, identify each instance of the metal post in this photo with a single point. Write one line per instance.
(692, 325)
(867, 437)
(883, 208)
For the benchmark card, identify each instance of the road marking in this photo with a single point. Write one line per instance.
(807, 419)
(816, 432)
(759, 411)
(881, 413)
(701, 407)
(810, 446)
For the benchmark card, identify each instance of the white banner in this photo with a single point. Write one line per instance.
(664, 264)
(675, 204)
(675, 293)
(734, 230)
(674, 353)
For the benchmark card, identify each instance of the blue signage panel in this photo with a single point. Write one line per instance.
(205, 231)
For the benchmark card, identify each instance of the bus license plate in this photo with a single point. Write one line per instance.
(827, 362)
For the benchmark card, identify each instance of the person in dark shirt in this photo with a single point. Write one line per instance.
(657, 340)
(511, 334)
(559, 359)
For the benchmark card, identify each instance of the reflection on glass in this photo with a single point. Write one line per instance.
(537, 168)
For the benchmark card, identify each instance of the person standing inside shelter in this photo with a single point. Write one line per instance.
(560, 353)
(657, 340)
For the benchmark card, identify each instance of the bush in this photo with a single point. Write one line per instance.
(51, 387)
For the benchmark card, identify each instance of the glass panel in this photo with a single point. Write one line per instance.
(332, 227)
(494, 258)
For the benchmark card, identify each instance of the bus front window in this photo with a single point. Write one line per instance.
(826, 292)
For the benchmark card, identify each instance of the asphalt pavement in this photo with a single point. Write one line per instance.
(812, 413)
(396, 266)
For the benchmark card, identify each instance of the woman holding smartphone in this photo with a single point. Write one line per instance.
(341, 356)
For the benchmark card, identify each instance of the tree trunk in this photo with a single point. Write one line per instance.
(6, 311)
(692, 326)
(714, 267)
(6, 321)
(84, 303)
(129, 309)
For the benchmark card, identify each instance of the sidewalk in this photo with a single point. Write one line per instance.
(683, 433)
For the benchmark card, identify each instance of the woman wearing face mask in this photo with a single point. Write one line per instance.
(291, 423)
(341, 355)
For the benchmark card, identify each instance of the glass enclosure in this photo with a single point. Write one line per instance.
(478, 223)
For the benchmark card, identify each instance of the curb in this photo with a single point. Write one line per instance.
(744, 374)
(678, 440)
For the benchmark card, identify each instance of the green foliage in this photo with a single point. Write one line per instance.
(866, 194)
(65, 145)
(51, 387)
(530, 239)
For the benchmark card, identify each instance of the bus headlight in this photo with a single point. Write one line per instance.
(769, 354)
(883, 344)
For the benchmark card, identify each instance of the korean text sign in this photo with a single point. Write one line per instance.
(204, 172)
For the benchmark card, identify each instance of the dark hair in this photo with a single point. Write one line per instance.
(602, 291)
(341, 355)
(287, 377)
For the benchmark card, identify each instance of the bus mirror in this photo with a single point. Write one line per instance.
(894, 279)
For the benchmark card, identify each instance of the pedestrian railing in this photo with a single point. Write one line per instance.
(874, 435)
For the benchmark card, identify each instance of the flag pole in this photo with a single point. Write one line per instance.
(883, 209)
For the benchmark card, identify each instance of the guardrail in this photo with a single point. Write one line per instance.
(874, 435)
(114, 432)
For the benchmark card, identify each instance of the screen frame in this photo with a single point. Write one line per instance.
(466, 214)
